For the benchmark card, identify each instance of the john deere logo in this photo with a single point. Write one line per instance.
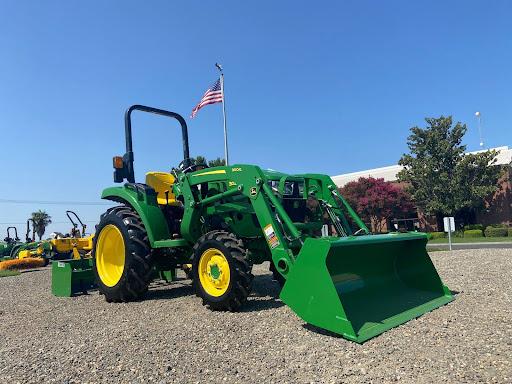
(253, 191)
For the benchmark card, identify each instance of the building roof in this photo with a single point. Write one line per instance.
(390, 173)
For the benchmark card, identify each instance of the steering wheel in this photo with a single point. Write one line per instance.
(187, 166)
(358, 232)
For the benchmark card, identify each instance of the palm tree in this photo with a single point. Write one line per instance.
(40, 220)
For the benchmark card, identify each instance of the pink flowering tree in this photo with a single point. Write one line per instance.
(376, 201)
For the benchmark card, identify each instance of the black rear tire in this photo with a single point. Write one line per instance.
(138, 258)
(240, 282)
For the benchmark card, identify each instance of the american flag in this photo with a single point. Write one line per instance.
(211, 96)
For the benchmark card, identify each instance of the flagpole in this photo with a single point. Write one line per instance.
(226, 156)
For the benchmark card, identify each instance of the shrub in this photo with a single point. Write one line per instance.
(473, 233)
(457, 233)
(510, 232)
(496, 232)
(497, 226)
(437, 235)
(470, 227)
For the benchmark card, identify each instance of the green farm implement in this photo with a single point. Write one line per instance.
(9, 243)
(334, 274)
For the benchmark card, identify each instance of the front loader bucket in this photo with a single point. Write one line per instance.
(359, 287)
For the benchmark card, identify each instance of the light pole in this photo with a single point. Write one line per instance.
(479, 118)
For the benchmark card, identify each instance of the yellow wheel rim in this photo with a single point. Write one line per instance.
(110, 255)
(214, 272)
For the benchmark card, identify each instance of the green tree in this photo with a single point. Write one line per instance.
(40, 220)
(442, 180)
(212, 163)
(199, 160)
(217, 162)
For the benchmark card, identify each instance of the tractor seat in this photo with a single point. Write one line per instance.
(162, 183)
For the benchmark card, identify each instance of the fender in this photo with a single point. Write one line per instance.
(143, 200)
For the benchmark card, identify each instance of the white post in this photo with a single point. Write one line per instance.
(449, 226)
(450, 238)
(226, 155)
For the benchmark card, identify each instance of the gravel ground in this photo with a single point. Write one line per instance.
(171, 337)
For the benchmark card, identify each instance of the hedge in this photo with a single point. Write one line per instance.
(496, 232)
(473, 233)
(474, 226)
(497, 226)
(437, 235)
(510, 232)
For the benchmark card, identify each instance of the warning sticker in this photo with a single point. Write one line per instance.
(272, 239)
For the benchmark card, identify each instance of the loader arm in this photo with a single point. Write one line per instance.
(281, 234)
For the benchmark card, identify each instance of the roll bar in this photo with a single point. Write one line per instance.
(28, 239)
(128, 156)
(75, 225)
(15, 233)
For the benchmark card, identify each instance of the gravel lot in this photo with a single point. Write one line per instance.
(171, 337)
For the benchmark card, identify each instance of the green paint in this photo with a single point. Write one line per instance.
(70, 277)
(215, 271)
(171, 243)
(355, 286)
(147, 208)
(167, 275)
(362, 286)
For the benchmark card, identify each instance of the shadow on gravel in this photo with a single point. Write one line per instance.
(258, 305)
(321, 331)
(31, 270)
(173, 291)
(265, 294)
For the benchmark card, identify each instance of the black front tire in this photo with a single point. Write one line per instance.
(240, 283)
(138, 260)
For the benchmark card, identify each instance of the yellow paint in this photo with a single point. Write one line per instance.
(71, 244)
(162, 183)
(217, 172)
(24, 254)
(110, 255)
(214, 272)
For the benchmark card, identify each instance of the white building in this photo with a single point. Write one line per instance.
(390, 173)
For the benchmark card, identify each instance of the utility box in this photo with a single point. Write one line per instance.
(70, 277)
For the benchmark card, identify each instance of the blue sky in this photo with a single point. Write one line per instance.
(330, 87)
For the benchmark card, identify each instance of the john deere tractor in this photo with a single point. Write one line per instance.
(9, 243)
(222, 220)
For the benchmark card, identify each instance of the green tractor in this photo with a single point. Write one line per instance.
(334, 273)
(9, 243)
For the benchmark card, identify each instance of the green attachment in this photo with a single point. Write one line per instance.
(70, 277)
(168, 275)
(359, 287)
